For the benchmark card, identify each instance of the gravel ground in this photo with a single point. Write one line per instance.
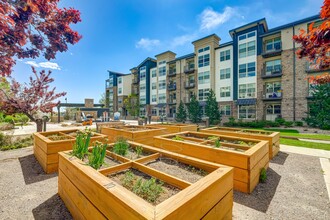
(295, 189)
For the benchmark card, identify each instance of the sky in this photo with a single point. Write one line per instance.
(120, 34)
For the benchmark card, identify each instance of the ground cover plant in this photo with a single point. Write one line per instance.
(8, 142)
(121, 147)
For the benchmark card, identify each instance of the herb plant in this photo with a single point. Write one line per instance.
(177, 138)
(139, 150)
(217, 143)
(96, 158)
(121, 147)
(80, 147)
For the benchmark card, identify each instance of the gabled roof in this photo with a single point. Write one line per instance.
(225, 44)
(211, 35)
(182, 57)
(249, 25)
(117, 73)
(147, 59)
(165, 52)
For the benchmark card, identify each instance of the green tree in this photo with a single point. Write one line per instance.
(102, 99)
(132, 105)
(182, 114)
(212, 109)
(194, 110)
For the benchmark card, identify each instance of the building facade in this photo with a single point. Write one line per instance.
(256, 76)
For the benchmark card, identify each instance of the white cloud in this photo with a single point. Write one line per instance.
(183, 39)
(146, 43)
(47, 65)
(211, 19)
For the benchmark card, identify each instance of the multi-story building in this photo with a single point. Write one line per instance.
(256, 76)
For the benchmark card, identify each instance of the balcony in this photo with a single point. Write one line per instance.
(171, 87)
(172, 102)
(136, 81)
(271, 96)
(190, 68)
(189, 85)
(272, 50)
(171, 72)
(275, 72)
(187, 99)
(313, 67)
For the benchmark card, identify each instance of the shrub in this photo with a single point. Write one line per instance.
(288, 124)
(9, 119)
(121, 147)
(7, 142)
(299, 123)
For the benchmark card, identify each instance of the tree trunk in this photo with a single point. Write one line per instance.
(39, 125)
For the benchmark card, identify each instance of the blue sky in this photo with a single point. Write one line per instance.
(119, 34)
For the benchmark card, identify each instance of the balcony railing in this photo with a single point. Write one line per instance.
(276, 49)
(271, 96)
(171, 87)
(274, 72)
(189, 85)
(171, 72)
(190, 68)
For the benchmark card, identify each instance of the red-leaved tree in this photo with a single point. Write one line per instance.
(30, 99)
(30, 28)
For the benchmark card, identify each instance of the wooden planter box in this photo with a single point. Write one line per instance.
(175, 128)
(273, 138)
(46, 150)
(140, 134)
(91, 194)
(100, 125)
(246, 160)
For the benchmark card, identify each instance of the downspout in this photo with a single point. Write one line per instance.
(294, 76)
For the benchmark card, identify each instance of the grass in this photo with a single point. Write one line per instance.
(306, 144)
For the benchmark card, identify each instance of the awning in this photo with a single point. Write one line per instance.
(246, 101)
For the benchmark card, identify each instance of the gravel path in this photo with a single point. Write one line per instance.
(295, 189)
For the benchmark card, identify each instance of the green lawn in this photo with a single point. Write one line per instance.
(304, 144)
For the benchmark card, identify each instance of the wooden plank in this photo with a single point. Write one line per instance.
(257, 152)
(221, 209)
(172, 180)
(38, 154)
(254, 182)
(148, 158)
(114, 169)
(241, 186)
(52, 168)
(81, 203)
(255, 171)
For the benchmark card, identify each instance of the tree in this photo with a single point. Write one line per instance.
(319, 107)
(132, 105)
(182, 114)
(32, 98)
(194, 110)
(315, 44)
(212, 109)
(102, 99)
(29, 28)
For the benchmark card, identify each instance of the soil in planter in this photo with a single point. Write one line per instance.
(180, 170)
(108, 162)
(225, 147)
(150, 189)
(133, 155)
(256, 132)
(56, 137)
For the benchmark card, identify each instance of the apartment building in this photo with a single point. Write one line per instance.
(255, 76)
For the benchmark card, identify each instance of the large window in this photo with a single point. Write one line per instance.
(154, 112)
(162, 71)
(204, 60)
(247, 111)
(162, 98)
(273, 87)
(202, 94)
(224, 55)
(120, 91)
(162, 84)
(273, 66)
(153, 73)
(247, 70)
(225, 91)
(204, 77)
(154, 86)
(225, 73)
(201, 50)
(248, 35)
(142, 99)
(142, 75)
(162, 62)
(247, 49)
(225, 110)
(274, 109)
(154, 98)
(120, 80)
(273, 44)
(247, 90)
(142, 87)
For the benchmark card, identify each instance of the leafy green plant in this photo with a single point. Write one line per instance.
(96, 158)
(181, 115)
(288, 124)
(121, 147)
(212, 109)
(263, 175)
(80, 147)
(177, 138)
(9, 143)
(217, 143)
(281, 121)
(299, 123)
(139, 150)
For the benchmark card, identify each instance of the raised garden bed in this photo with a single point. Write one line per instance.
(175, 128)
(99, 125)
(140, 134)
(139, 189)
(273, 138)
(48, 144)
(247, 156)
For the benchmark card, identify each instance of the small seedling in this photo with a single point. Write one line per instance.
(80, 147)
(177, 138)
(263, 175)
(217, 143)
(121, 147)
(139, 150)
(96, 158)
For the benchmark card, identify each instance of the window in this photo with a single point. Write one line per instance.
(247, 111)
(273, 109)
(224, 55)
(162, 98)
(154, 98)
(251, 46)
(273, 44)
(202, 94)
(120, 80)
(242, 50)
(204, 77)
(120, 100)
(120, 90)
(162, 84)
(247, 90)
(142, 75)
(162, 62)
(204, 49)
(154, 86)
(247, 49)
(225, 73)
(142, 87)
(153, 73)
(273, 87)
(273, 66)
(247, 70)
(162, 71)
(225, 91)
(142, 68)
(204, 60)
(225, 110)
(154, 112)
(143, 99)
(248, 35)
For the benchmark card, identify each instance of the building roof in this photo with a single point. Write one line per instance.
(147, 59)
(190, 55)
(211, 35)
(117, 73)
(165, 52)
(225, 44)
(249, 25)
